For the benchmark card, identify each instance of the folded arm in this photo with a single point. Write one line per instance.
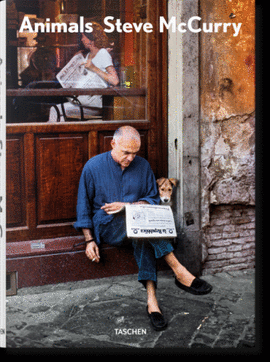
(110, 76)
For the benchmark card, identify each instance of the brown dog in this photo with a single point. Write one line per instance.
(165, 187)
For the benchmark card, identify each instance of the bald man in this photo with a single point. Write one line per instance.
(108, 182)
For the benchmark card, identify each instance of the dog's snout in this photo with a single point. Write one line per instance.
(165, 199)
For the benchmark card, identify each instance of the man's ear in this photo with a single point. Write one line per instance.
(112, 143)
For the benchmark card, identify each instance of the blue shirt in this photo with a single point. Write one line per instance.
(103, 181)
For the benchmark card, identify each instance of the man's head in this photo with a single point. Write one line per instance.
(126, 144)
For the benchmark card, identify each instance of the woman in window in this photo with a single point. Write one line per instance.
(99, 72)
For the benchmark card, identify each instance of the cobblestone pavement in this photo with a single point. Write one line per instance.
(111, 313)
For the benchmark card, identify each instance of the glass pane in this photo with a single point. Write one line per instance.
(44, 36)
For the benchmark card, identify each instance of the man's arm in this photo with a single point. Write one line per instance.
(84, 221)
(84, 207)
(117, 206)
(92, 250)
(87, 234)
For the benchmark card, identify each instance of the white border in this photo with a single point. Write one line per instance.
(3, 174)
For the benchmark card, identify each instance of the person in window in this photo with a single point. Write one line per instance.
(108, 182)
(99, 62)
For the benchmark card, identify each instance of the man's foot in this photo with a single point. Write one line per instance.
(186, 278)
(181, 273)
(153, 307)
(157, 320)
(197, 287)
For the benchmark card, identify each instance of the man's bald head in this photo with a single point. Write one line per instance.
(126, 144)
(126, 132)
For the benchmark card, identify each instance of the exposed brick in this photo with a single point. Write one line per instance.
(215, 264)
(249, 246)
(248, 232)
(243, 240)
(221, 243)
(224, 256)
(240, 220)
(216, 236)
(230, 235)
(229, 228)
(216, 250)
(250, 225)
(236, 267)
(235, 247)
(231, 238)
(221, 221)
(216, 229)
(244, 253)
(211, 257)
(237, 260)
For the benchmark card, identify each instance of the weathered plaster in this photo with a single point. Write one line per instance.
(227, 62)
(228, 163)
(211, 114)
(227, 107)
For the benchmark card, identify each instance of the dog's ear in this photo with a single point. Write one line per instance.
(173, 181)
(160, 181)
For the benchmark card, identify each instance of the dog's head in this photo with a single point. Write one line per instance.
(165, 187)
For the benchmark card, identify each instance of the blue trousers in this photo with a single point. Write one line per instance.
(145, 251)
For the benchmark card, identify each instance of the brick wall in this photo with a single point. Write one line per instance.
(230, 238)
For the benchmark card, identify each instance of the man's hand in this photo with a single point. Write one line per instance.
(113, 207)
(92, 252)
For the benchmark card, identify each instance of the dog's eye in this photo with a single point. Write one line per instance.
(162, 189)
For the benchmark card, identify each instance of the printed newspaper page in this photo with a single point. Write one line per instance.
(75, 75)
(155, 221)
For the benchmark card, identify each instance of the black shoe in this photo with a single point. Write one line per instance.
(157, 320)
(198, 287)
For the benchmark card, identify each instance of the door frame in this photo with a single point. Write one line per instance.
(184, 133)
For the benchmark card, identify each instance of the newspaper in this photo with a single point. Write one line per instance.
(154, 221)
(75, 75)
